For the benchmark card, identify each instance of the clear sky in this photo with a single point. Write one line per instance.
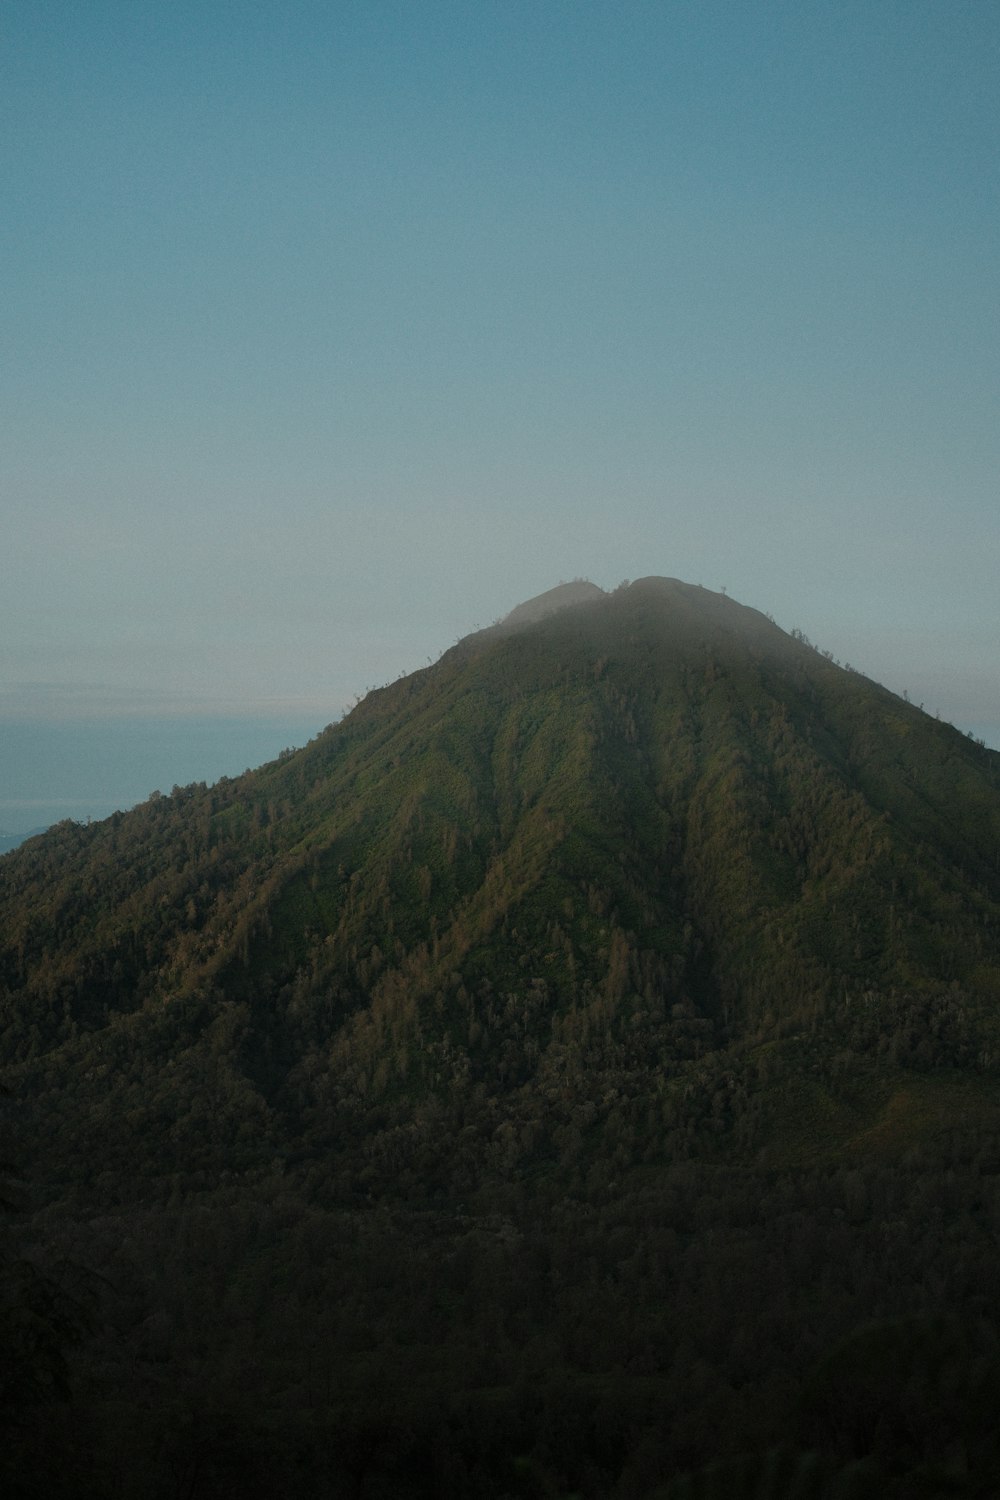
(333, 330)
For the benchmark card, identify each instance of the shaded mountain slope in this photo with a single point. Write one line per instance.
(646, 858)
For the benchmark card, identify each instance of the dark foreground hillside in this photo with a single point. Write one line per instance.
(576, 1069)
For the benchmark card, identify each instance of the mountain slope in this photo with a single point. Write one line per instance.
(646, 859)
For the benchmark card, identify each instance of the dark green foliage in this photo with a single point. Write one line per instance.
(918, 1394)
(782, 1474)
(523, 1087)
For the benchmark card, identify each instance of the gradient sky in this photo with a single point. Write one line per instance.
(333, 330)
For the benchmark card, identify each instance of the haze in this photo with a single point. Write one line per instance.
(334, 331)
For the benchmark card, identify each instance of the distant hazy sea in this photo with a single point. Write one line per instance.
(88, 769)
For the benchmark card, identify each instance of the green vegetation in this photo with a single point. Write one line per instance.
(523, 1087)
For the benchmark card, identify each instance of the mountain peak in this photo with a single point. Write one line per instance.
(563, 596)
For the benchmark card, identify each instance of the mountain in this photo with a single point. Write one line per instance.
(618, 844)
(633, 944)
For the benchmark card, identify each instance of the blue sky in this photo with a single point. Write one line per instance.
(333, 330)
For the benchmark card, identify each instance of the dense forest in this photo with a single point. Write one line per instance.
(575, 1072)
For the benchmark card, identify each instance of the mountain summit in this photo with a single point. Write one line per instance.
(563, 596)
